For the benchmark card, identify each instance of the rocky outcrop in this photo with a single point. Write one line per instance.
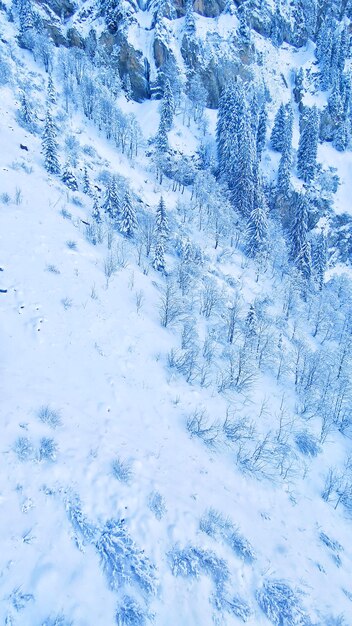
(130, 62)
(74, 39)
(61, 8)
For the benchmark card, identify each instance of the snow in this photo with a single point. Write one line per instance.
(72, 343)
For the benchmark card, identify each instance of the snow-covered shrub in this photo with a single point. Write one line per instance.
(23, 448)
(77, 201)
(20, 599)
(122, 561)
(52, 268)
(72, 245)
(333, 545)
(130, 613)
(49, 416)
(235, 606)
(66, 214)
(198, 425)
(94, 234)
(122, 470)
(307, 444)
(281, 604)
(240, 545)
(191, 562)
(66, 303)
(157, 504)
(79, 521)
(5, 198)
(217, 526)
(47, 449)
(59, 620)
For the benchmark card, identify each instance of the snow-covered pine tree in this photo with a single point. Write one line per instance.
(167, 106)
(126, 84)
(68, 178)
(128, 218)
(111, 204)
(51, 93)
(231, 108)
(308, 147)
(300, 252)
(26, 23)
(251, 323)
(190, 23)
(279, 129)
(244, 31)
(341, 136)
(319, 257)
(298, 90)
(284, 171)
(50, 146)
(261, 132)
(161, 221)
(96, 216)
(25, 113)
(161, 140)
(86, 182)
(256, 232)
(241, 182)
(158, 257)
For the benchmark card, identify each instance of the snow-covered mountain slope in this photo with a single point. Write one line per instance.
(175, 410)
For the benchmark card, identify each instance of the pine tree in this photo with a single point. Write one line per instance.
(111, 201)
(256, 232)
(158, 258)
(231, 109)
(341, 136)
(68, 178)
(319, 258)
(300, 252)
(278, 132)
(161, 221)
(50, 146)
(96, 211)
(26, 116)
(167, 106)
(26, 22)
(261, 132)
(308, 147)
(284, 172)
(51, 93)
(251, 322)
(244, 31)
(242, 180)
(298, 90)
(126, 82)
(277, 35)
(128, 219)
(190, 23)
(161, 140)
(86, 182)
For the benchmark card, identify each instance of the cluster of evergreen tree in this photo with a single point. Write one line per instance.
(241, 136)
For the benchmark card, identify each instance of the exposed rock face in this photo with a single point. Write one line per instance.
(55, 33)
(161, 52)
(207, 8)
(130, 62)
(74, 39)
(62, 8)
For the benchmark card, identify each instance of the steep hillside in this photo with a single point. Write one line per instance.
(175, 301)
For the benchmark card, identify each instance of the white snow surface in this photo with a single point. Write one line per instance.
(69, 341)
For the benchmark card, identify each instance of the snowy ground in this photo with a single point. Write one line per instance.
(70, 342)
